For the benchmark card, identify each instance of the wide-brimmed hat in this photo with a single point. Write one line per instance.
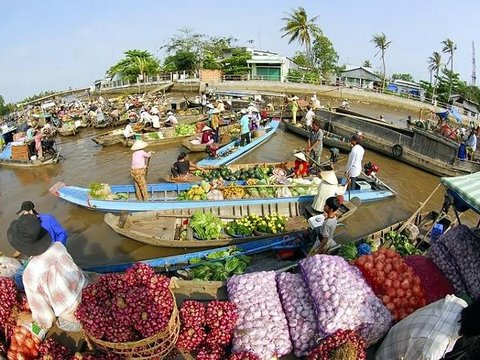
(254, 109)
(27, 236)
(206, 127)
(216, 111)
(295, 98)
(329, 177)
(26, 206)
(138, 145)
(243, 111)
(210, 106)
(169, 113)
(300, 156)
(251, 104)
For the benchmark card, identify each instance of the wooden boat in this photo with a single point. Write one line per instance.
(6, 160)
(110, 123)
(330, 139)
(354, 113)
(231, 152)
(67, 131)
(165, 228)
(114, 137)
(419, 148)
(164, 196)
(202, 147)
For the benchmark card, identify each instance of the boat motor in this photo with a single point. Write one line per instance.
(334, 155)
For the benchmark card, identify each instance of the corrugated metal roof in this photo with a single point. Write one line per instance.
(467, 187)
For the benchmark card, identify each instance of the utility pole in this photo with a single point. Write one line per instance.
(474, 69)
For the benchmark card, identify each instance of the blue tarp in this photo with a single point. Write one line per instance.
(7, 152)
(453, 112)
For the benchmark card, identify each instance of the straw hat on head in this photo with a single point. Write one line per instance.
(295, 98)
(206, 127)
(216, 111)
(243, 111)
(169, 113)
(300, 156)
(329, 177)
(138, 145)
(251, 104)
(210, 106)
(255, 110)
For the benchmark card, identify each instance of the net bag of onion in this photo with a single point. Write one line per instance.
(457, 254)
(342, 298)
(298, 306)
(342, 345)
(133, 315)
(261, 327)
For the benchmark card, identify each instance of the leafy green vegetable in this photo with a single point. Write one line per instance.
(206, 225)
(348, 251)
(401, 244)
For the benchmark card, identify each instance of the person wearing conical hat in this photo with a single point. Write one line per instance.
(301, 165)
(139, 169)
(220, 106)
(328, 187)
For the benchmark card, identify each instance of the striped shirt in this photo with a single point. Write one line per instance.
(53, 284)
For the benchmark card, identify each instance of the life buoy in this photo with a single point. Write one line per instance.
(328, 127)
(397, 150)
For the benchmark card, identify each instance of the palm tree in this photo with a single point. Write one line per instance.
(434, 65)
(381, 43)
(299, 27)
(449, 47)
(367, 64)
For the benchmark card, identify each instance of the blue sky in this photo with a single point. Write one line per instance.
(54, 44)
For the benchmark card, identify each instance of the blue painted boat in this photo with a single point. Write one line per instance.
(224, 159)
(164, 196)
(182, 261)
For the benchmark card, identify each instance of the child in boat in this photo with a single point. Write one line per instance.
(181, 168)
(325, 239)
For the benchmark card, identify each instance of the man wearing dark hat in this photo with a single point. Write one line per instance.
(354, 164)
(48, 222)
(53, 282)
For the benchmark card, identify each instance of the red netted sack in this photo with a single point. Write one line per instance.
(434, 282)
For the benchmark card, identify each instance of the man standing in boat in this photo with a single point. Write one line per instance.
(315, 142)
(245, 128)
(354, 163)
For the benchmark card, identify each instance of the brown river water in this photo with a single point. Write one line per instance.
(92, 242)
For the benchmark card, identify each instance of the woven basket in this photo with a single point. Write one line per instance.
(157, 346)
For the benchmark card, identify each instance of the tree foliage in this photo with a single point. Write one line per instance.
(449, 48)
(298, 27)
(136, 62)
(381, 43)
(324, 55)
(236, 63)
(367, 63)
(434, 66)
(5, 108)
(300, 58)
(403, 76)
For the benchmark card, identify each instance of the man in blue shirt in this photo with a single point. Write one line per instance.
(245, 128)
(48, 222)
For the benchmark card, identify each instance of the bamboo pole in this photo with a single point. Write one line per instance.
(414, 215)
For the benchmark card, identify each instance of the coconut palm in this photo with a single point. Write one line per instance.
(367, 64)
(381, 43)
(434, 65)
(449, 48)
(299, 28)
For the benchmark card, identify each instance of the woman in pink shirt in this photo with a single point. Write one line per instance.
(139, 169)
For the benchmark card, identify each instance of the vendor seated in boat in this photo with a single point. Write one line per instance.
(207, 135)
(328, 187)
(182, 167)
(324, 239)
(171, 120)
(301, 165)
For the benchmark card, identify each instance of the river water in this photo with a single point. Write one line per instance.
(91, 242)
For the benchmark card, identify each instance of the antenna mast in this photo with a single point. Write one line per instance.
(474, 69)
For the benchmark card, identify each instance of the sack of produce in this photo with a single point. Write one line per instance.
(434, 282)
(298, 306)
(261, 327)
(393, 281)
(342, 298)
(457, 254)
(342, 345)
(9, 266)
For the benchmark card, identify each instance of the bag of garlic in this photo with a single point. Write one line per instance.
(299, 309)
(261, 327)
(342, 298)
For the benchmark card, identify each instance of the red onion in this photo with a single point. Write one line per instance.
(191, 338)
(207, 352)
(243, 355)
(192, 313)
(52, 350)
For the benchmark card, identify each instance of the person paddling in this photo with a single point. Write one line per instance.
(139, 169)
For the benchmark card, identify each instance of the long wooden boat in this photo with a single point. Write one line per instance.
(114, 137)
(6, 160)
(67, 131)
(232, 152)
(194, 147)
(330, 139)
(109, 123)
(164, 196)
(166, 228)
(419, 148)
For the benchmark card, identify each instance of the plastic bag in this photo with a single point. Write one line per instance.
(284, 191)
(9, 266)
